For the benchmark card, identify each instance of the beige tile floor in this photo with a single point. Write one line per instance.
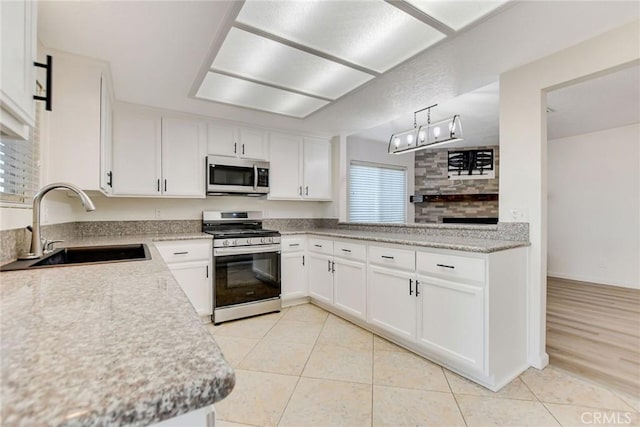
(306, 367)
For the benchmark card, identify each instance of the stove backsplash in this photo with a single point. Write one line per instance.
(431, 177)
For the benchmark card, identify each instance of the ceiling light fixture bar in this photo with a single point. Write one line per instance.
(263, 83)
(304, 48)
(426, 136)
(421, 16)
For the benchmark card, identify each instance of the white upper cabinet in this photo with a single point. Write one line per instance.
(78, 129)
(232, 141)
(317, 169)
(285, 167)
(183, 144)
(17, 85)
(300, 168)
(157, 155)
(136, 152)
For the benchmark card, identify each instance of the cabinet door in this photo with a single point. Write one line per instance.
(317, 169)
(136, 152)
(221, 140)
(350, 287)
(320, 277)
(460, 308)
(17, 86)
(183, 156)
(106, 119)
(391, 301)
(252, 144)
(285, 167)
(294, 275)
(194, 279)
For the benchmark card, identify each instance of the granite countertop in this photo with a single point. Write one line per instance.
(105, 344)
(459, 243)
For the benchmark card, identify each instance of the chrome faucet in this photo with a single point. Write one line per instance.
(36, 242)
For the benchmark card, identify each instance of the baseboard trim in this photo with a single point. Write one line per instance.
(589, 279)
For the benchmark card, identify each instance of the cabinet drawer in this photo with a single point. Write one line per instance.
(321, 246)
(292, 244)
(185, 250)
(392, 257)
(350, 250)
(451, 266)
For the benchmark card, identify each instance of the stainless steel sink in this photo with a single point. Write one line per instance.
(84, 255)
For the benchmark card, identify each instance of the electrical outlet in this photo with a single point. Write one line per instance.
(518, 215)
(158, 214)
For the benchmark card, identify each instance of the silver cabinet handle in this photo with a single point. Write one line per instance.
(317, 246)
(181, 253)
(417, 291)
(386, 257)
(303, 260)
(293, 244)
(165, 185)
(346, 250)
(235, 146)
(333, 266)
(445, 266)
(329, 266)
(300, 190)
(242, 148)
(306, 190)
(410, 287)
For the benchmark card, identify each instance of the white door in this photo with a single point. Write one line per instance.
(106, 119)
(221, 140)
(317, 169)
(285, 167)
(252, 144)
(194, 279)
(350, 287)
(136, 152)
(320, 277)
(451, 320)
(17, 72)
(293, 275)
(391, 301)
(183, 157)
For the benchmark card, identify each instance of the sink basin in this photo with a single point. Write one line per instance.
(84, 255)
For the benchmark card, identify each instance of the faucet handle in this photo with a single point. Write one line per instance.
(48, 244)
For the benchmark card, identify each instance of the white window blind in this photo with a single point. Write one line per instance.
(19, 167)
(377, 193)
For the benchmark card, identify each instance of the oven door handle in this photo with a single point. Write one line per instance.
(242, 250)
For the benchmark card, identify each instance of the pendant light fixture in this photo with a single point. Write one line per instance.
(426, 136)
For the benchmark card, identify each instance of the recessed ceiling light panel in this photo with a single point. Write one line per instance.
(371, 34)
(257, 58)
(456, 14)
(229, 90)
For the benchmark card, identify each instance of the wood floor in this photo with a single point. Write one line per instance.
(594, 331)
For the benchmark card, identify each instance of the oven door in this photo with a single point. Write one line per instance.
(246, 274)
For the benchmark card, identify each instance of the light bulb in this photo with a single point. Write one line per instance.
(409, 139)
(396, 141)
(436, 131)
(421, 136)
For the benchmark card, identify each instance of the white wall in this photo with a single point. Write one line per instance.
(523, 149)
(594, 207)
(377, 152)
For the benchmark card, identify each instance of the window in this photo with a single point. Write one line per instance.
(19, 167)
(377, 193)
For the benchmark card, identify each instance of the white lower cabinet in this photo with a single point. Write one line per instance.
(203, 417)
(464, 310)
(451, 320)
(320, 277)
(293, 270)
(349, 286)
(190, 264)
(390, 306)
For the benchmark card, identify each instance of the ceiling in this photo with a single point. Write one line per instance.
(296, 57)
(159, 51)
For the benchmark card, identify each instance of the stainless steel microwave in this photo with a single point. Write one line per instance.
(227, 175)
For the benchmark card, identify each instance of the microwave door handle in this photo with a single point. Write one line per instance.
(255, 178)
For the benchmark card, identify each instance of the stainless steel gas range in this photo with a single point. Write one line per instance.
(246, 261)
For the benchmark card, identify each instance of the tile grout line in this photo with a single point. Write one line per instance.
(538, 399)
(455, 399)
(303, 368)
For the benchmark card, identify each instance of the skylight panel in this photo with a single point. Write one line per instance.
(456, 14)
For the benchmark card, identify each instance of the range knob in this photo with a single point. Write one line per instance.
(263, 240)
(225, 243)
(236, 242)
(269, 239)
